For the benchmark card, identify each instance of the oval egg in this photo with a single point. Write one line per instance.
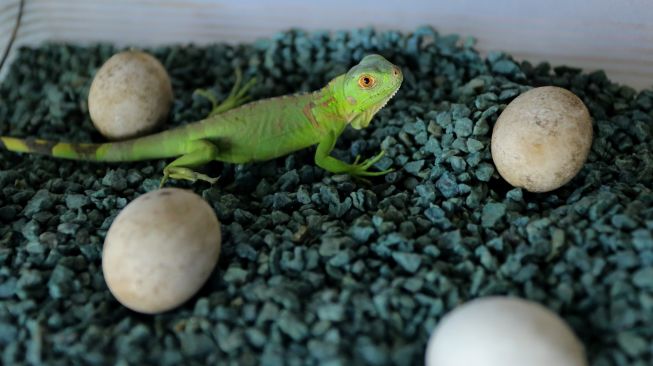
(503, 331)
(160, 250)
(131, 95)
(542, 139)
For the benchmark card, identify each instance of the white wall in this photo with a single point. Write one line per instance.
(615, 35)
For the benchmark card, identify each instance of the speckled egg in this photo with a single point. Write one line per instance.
(160, 250)
(542, 139)
(130, 96)
(503, 331)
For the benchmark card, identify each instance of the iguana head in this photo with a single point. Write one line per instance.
(367, 87)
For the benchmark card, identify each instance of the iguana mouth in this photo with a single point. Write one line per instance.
(363, 118)
(385, 102)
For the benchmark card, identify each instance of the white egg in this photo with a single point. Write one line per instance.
(542, 139)
(503, 331)
(160, 250)
(130, 96)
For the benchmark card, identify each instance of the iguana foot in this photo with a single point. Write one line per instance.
(237, 96)
(176, 172)
(361, 169)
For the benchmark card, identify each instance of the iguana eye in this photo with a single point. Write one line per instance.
(366, 81)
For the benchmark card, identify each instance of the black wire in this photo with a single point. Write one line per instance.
(13, 33)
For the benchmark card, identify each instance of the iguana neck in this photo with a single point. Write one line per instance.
(331, 102)
(345, 107)
(327, 106)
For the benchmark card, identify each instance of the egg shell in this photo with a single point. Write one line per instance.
(542, 139)
(131, 95)
(503, 331)
(160, 250)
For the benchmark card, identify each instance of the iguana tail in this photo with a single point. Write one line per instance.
(144, 148)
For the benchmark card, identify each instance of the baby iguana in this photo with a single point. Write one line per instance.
(255, 131)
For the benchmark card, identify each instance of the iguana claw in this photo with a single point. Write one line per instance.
(361, 169)
(237, 97)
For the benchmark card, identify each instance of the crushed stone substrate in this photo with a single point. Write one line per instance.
(319, 268)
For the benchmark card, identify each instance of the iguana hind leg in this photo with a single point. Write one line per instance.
(237, 96)
(201, 152)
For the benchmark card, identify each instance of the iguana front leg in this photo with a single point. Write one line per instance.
(201, 153)
(333, 165)
(237, 96)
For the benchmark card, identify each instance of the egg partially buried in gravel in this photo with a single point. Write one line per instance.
(160, 250)
(542, 139)
(503, 331)
(131, 95)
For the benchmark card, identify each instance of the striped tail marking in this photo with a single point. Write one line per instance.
(85, 151)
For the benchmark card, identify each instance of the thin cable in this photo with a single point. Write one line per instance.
(13, 33)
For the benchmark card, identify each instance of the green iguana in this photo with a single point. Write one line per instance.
(240, 133)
